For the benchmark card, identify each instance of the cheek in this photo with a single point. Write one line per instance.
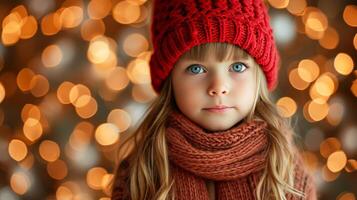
(186, 96)
(244, 87)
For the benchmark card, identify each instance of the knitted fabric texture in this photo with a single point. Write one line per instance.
(179, 25)
(234, 159)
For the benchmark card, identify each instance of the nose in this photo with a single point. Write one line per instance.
(214, 92)
(218, 86)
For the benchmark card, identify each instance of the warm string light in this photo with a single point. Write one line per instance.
(18, 25)
(323, 84)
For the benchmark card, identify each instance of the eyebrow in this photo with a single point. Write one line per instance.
(246, 60)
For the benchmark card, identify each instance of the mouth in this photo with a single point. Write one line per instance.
(218, 109)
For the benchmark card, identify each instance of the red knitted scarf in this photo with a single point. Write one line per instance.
(234, 158)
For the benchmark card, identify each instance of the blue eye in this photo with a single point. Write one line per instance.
(195, 69)
(239, 67)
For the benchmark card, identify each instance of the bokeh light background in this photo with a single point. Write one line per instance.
(74, 76)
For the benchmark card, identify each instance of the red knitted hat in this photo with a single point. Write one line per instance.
(179, 25)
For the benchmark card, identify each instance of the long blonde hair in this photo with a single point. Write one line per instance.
(146, 148)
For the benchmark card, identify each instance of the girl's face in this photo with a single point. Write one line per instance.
(201, 85)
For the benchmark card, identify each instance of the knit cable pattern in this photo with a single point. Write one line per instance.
(179, 25)
(234, 159)
(224, 155)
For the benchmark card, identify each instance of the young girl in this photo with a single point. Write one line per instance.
(212, 132)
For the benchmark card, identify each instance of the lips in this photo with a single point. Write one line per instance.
(218, 109)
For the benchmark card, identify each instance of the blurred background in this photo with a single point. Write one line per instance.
(74, 76)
